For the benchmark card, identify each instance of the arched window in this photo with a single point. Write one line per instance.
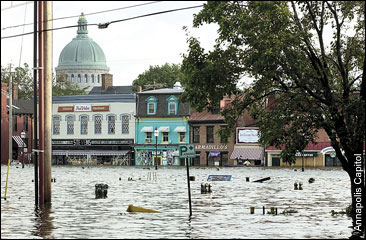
(56, 125)
(72, 78)
(83, 124)
(70, 124)
(98, 78)
(92, 78)
(79, 78)
(98, 124)
(111, 124)
(125, 119)
(86, 78)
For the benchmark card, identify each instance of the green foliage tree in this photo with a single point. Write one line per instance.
(309, 57)
(164, 76)
(23, 77)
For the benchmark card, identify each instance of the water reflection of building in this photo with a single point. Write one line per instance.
(160, 110)
(94, 129)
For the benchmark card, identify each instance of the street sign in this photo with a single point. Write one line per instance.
(187, 150)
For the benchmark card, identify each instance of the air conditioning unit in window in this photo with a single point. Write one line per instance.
(148, 140)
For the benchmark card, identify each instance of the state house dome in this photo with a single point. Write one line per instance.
(82, 60)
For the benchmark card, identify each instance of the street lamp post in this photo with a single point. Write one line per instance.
(22, 135)
(156, 134)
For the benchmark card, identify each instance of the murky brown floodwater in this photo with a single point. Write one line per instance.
(225, 213)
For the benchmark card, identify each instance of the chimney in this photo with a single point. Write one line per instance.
(107, 80)
(15, 91)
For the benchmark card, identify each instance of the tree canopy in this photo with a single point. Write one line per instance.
(308, 57)
(164, 76)
(23, 77)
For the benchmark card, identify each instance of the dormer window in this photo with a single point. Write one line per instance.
(151, 105)
(172, 105)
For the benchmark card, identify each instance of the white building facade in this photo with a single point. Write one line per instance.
(93, 129)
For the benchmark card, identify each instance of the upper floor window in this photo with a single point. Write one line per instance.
(56, 125)
(148, 138)
(182, 137)
(79, 78)
(86, 78)
(15, 124)
(209, 134)
(111, 124)
(84, 124)
(165, 137)
(221, 138)
(70, 124)
(92, 78)
(25, 123)
(172, 105)
(98, 124)
(151, 105)
(125, 119)
(196, 134)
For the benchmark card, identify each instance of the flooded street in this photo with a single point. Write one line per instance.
(224, 213)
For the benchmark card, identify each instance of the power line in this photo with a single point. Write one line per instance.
(104, 25)
(110, 10)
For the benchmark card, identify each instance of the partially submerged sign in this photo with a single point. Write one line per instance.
(219, 178)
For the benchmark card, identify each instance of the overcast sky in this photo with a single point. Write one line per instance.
(130, 46)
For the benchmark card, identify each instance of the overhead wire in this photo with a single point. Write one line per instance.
(87, 14)
(104, 25)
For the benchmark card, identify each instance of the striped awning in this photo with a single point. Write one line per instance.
(247, 153)
(180, 129)
(164, 129)
(147, 129)
(19, 141)
(94, 152)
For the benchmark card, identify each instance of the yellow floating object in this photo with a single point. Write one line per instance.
(132, 208)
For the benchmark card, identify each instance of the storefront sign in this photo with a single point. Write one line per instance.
(247, 136)
(212, 147)
(82, 108)
(100, 108)
(66, 109)
(307, 154)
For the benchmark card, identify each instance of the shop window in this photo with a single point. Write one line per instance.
(79, 78)
(15, 124)
(92, 78)
(25, 123)
(72, 78)
(86, 78)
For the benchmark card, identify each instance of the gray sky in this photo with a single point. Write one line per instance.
(130, 47)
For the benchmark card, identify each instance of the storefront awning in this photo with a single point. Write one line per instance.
(164, 129)
(19, 141)
(147, 129)
(247, 153)
(94, 152)
(214, 154)
(180, 129)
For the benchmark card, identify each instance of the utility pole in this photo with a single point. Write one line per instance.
(41, 100)
(35, 114)
(48, 38)
(10, 115)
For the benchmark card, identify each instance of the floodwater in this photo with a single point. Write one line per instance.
(222, 214)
